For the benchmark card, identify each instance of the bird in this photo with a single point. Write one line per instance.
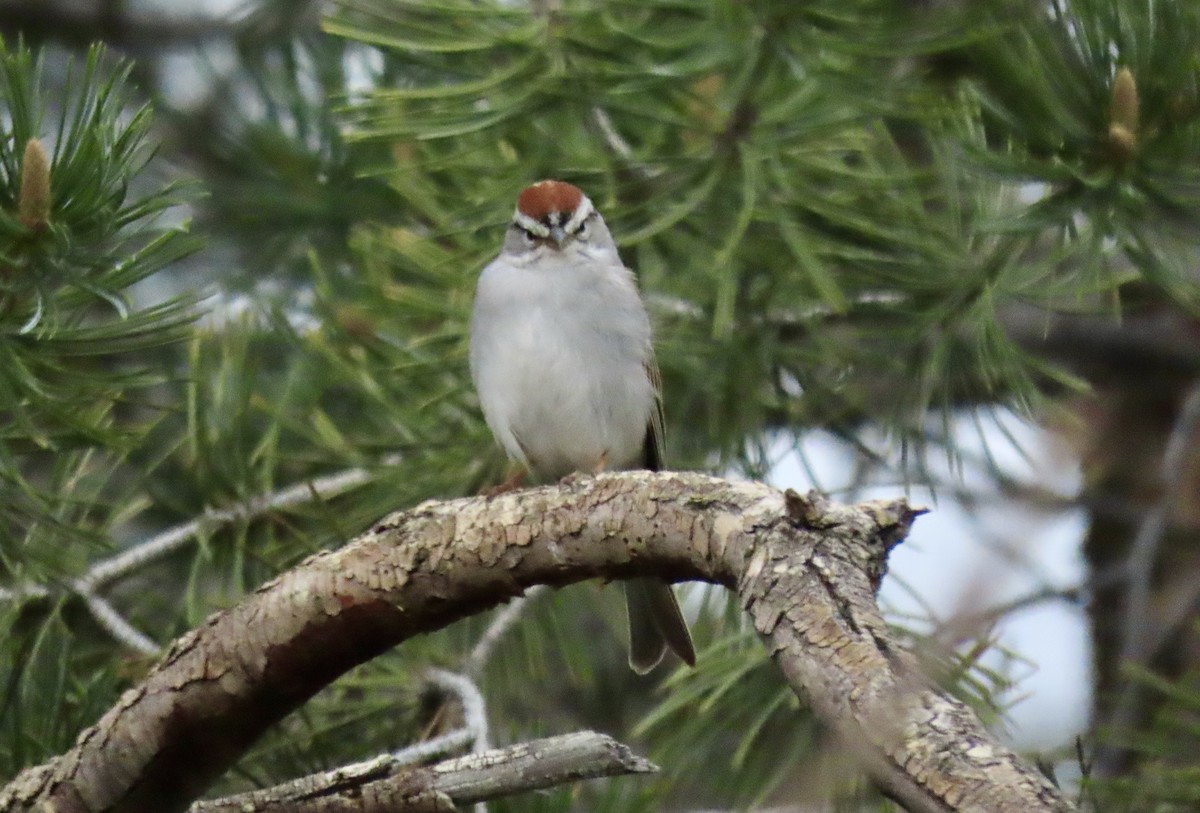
(562, 359)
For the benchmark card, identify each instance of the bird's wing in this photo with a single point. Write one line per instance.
(653, 445)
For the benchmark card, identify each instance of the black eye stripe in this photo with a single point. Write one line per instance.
(558, 219)
(552, 220)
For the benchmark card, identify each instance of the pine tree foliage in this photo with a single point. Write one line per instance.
(67, 270)
(78, 373)
(833, 209)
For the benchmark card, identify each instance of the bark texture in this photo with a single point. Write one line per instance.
(380, 786)
(806, 570)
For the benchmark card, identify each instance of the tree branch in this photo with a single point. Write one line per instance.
(1140, 635)
(806, 571)
(381, 787)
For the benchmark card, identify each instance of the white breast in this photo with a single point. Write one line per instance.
(557, 355)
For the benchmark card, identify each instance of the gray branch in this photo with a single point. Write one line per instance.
(382, 786)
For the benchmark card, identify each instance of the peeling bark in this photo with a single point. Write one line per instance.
(805, 569)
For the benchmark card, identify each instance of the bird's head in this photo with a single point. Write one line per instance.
(556, 217)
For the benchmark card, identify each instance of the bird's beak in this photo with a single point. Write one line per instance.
(558, 235)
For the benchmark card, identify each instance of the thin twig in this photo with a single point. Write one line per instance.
(964, 626)
(1146, 544)
(961, 628)
(115, 567)
(504, 621)
(461, 686)
(486, 645)
(619, 146)
(172, 539)
(474, 711)
(165, 542)
(115, 624)
(1179, 611)
(468, 694)
(22, 592)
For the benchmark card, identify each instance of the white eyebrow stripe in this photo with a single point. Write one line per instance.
(530, 225)
(582, 212)
(539, 229)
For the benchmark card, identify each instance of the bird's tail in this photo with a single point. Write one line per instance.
(655, 625)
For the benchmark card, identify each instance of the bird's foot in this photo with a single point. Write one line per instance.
(511, 483)
(599, 468)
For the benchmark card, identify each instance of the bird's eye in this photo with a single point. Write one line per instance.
(582, 231)
(527, 236)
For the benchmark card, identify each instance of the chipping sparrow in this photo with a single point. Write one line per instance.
(562, 360)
